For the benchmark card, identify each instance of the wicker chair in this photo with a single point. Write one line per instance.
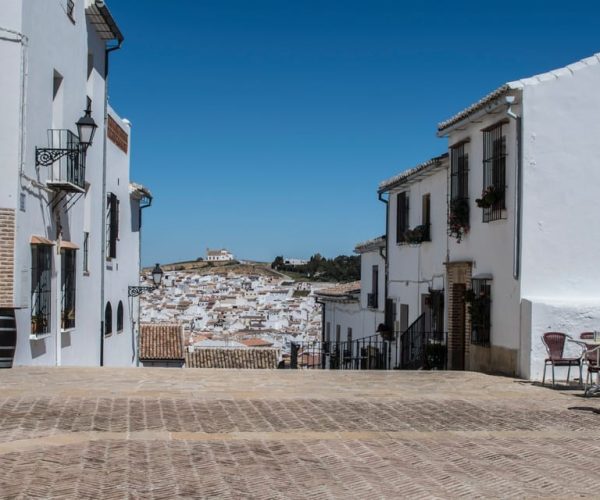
(555, 345)
(591, 356)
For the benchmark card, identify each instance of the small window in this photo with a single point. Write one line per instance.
(86, 250)
(108, 319)
(112, 225)
(68, 279)
(373, 297)
(120, 317)
(349, 336)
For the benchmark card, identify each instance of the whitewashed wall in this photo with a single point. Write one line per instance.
(561, 181)
(413, 269)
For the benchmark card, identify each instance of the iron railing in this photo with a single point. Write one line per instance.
(68, 169)
(494, 170)
(369, 353)
(421, 348)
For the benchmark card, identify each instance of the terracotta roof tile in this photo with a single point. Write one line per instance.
(256, 343)
(340, 290)
(161, 341)
(246, 358)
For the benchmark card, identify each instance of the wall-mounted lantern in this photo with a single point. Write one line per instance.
(157, 276)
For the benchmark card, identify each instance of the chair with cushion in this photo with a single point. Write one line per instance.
(555, 345)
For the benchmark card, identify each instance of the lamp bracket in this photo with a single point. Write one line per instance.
(135, 291)
(47, 156)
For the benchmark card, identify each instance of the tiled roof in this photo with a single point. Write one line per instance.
(256, 343)
(341, 290)
(516, 85)
(373, 244)
(161, 341)
(407, 175)
(247, 358)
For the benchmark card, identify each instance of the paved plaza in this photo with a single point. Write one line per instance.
(172, 433)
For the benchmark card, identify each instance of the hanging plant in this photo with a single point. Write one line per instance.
(417, 235)
(490, 196)
(458, 218)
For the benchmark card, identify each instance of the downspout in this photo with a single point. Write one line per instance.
(139, 307)
(518, 188)
(385, 257)
(107, 51)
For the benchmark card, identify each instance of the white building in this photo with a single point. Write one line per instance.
(353, 311)
(533, 253)
(294, 262)
(222, 255)
(69, 219)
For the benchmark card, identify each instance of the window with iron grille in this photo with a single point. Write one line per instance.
(108, 322)
(67, 288)
(41, 289)
(86, 253)
(372, 298)
(120, 313)
(494, 173)
(401, 217)
(112, 225)
(479, 300)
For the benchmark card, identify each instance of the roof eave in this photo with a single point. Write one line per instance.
(109, 22)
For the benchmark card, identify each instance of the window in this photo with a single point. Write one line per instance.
(67, 288)
(112, 225)
(120, 317)
(372, 298)
(403, 317)
(328, 332)
(108, 320)
(349, 336)
(494, 173)
(426, 216)
(338, 334)
(86, 250)
(458, 214)
(41, 275)
(479, 300)
(401, 217)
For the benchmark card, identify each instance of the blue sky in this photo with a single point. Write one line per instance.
(265, 126)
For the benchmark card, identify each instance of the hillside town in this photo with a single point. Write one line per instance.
(235, 310)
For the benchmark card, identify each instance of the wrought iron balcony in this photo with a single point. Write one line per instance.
(65, 159)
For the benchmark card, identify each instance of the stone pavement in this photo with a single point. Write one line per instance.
(168, 433)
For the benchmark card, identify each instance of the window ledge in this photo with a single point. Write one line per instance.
(120, 331)
(68, 330)
(39, 336)
(86, 273)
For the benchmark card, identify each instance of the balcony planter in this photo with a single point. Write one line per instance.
(490, 197)
(385, 332)
(458, 219)
(417, 235)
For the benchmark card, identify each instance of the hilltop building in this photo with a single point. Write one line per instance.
(70, 218)
(222, 255)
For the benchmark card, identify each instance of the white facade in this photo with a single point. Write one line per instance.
(354, 311)
(53, 66)
(222, 255)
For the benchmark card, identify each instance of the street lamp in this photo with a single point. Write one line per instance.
(86, 128)
(157, 276)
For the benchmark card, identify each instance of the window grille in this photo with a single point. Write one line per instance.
(120, 317)
(494, 171)
(401, 217)
(68, 266)
(41, 289)
(108, 319)
(479, 306)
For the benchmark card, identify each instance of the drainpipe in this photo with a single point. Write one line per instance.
(139, 307)
(385, 257)
(107, 51)
(518, 188)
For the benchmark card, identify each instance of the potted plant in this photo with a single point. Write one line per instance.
(490, 196)
(458, 218)
(417, 235)
(385, 332)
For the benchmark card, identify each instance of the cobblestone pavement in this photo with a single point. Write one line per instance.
(168, 433)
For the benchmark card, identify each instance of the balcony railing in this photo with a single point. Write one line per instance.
(65, 160)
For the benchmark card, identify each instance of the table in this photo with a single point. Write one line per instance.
(585, 343)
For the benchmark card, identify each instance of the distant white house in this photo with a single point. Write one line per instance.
(295, 262)
(222, 255)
